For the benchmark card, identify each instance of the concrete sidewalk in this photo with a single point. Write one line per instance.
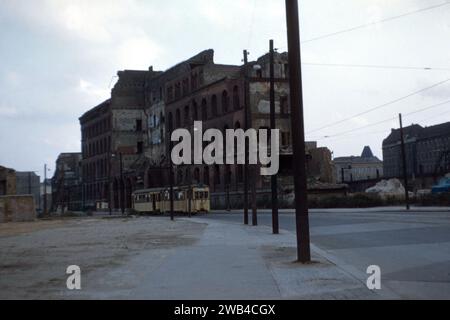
(396, 209)
(230, 261)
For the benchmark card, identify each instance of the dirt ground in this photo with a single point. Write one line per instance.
(34, 256)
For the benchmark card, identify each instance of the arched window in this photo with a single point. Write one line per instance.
(227, 175)
(149, 179)
(240, 174)
(225, 101)
(180, 177)
(214, 106)
(197, 175)
(178, 119)
(187, 115)
(206, 176)
(204, 110)
(188, 176)
(236, 101)
(170, 122)
(195, 110)
(217, 175)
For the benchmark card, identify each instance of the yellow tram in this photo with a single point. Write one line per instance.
(194, 199)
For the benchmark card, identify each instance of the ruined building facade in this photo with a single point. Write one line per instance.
(126, 139)
(67, 191)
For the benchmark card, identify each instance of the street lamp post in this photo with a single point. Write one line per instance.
(110, 189)
(45, 191)
(122, 183)
(404, 163)
(247, 125)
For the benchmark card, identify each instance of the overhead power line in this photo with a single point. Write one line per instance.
(435, 116)
(348, 136)
(376, 66)
(379, 107)
(365, 25)
(386, 120)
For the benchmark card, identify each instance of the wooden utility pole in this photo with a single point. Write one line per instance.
(45, 191)
(274, 182)
(110, 185)
(247, 125)
(122, 182)
(171, 182)
(298, 132)
(405, 168)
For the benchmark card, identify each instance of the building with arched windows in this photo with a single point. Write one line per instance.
(135, 126)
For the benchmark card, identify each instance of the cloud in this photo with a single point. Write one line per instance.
(8, 111)
(138, 52)
(87, 88)
(12, 79)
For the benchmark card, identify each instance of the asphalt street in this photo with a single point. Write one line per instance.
(411, 248)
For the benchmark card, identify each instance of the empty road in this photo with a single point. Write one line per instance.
(412, 248)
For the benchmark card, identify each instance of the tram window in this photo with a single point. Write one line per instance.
(206, 195)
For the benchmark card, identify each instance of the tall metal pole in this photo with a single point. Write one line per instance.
(298, 132)
(254, 207)
(171, 182)
(405, 169)
(274, 182)
(247, 125)
(227, 186)
(29, 182)
(190, 195)
(122, 185)
(45, 190)
(110, 187)
(251, 169)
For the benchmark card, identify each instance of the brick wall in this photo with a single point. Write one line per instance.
(17, 209)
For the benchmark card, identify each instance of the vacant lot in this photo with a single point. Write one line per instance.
(34, 256)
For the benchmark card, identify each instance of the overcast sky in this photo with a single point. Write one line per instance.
(58, 58)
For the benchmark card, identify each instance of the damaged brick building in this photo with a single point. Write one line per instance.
(67, 183)
(125, 140)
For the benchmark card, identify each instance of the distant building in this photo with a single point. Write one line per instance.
(17, 201)
(319, 164)
(28, 183)
(46, 190)
(427, 154)
(67, 184)
(352, 169)
(7, 181)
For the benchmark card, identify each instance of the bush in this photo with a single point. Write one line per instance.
(436, 200)
(359, 200)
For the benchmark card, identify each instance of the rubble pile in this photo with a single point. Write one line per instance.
(392, 187)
